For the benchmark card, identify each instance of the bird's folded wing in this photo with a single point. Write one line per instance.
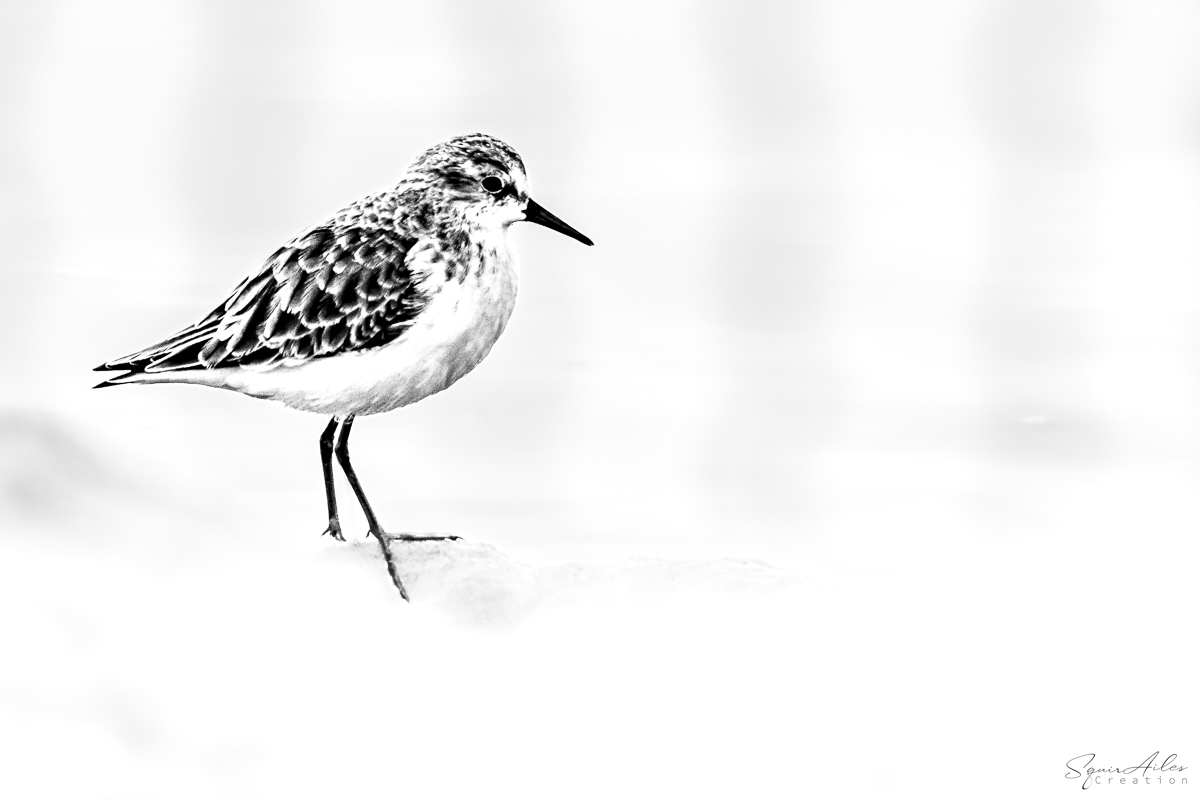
(326, 292)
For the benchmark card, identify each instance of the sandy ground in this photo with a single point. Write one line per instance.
(154, 652)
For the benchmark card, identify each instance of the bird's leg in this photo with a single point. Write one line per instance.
(335, 527)
(342, 450)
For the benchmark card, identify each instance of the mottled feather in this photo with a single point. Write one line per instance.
(332, 289)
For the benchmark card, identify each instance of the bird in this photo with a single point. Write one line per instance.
(390, 300)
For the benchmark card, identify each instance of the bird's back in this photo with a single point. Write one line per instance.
(311, 327)
(464, 310)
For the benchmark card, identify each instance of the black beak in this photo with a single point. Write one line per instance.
(535, 213)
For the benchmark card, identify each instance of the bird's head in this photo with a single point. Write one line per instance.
(483, 179)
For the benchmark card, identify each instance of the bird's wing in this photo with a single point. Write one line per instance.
(326, 292)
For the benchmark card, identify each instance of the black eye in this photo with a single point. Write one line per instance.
(493, 184)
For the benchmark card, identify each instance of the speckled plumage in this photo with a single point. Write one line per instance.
(357, 284)
(392, 299)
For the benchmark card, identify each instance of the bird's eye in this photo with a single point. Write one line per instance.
(493, 184)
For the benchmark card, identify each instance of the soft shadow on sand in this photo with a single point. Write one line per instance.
(477, 584)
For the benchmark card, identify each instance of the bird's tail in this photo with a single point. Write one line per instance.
(206, 377)
(117, 381)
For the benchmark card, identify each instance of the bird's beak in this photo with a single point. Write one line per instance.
(535, 213)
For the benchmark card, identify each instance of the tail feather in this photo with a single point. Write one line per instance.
(115, 381)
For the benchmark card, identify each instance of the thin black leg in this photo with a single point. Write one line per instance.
(342, 450)
(335, 526)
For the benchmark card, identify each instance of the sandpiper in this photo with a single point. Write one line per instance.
(391, 300)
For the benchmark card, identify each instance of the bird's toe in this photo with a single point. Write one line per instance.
(411, 537)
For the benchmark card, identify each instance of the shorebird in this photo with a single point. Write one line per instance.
(392, 299)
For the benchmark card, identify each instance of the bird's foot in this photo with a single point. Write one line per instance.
(385, 544)
(411, 537)
(335, 530)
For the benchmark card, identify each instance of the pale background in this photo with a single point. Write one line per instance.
(901, 298)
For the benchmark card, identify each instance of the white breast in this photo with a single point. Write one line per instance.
(453, 332)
